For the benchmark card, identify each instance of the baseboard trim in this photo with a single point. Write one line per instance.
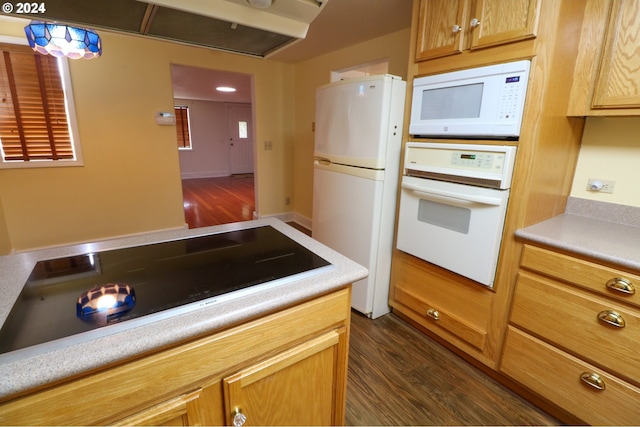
(299, 219)
(204, 174)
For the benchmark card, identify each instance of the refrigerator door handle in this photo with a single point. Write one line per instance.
(322, 161)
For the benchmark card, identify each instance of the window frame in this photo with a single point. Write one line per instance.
(67, 87)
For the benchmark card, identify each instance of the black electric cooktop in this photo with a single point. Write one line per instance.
(67, 296)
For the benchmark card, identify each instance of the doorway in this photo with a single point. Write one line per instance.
(218, 170)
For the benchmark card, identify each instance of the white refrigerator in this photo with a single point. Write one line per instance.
(358, 138)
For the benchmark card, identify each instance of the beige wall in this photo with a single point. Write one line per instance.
(315, 72)
(610, 150)
(130, 181)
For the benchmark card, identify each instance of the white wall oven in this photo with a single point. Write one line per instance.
(453, 204)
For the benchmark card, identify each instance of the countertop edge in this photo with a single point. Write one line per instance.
(594, 238)
(40, 369)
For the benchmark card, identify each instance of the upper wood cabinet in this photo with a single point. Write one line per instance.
(607, 72)
(447, 27)
(618, 81)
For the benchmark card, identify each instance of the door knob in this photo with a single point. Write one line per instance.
(238, 417)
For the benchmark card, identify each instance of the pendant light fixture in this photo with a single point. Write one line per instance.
(62, 40)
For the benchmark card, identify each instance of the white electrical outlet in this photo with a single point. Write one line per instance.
(601, 185)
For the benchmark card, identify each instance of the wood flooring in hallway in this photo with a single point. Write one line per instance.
(215, 201)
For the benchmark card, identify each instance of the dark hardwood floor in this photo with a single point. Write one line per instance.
(397, 375)
(215, 201)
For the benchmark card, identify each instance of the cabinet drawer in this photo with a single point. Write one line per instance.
(556, 376)
(569, 318)
(434, 316)
(583, 273)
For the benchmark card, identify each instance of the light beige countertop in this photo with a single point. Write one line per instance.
(21, 371)
(598, 230)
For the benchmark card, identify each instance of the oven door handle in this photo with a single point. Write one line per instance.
(493, 201)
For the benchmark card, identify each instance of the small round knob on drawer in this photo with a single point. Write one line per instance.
(238, 417)
(620, 284)
(433, 313)
(475, 22)
(457, 28)
(612, 318)
(593, 380)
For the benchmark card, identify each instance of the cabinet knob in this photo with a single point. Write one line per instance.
(238, 417)
(620, 284)
(593, 380)
(456, 28)
(612, 318)
(475, 22)
(433, 313)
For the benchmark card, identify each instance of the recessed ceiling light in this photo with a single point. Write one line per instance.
(260, 4)
(225, 89)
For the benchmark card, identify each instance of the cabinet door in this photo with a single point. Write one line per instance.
(441, 28)
(174, 412)
(296, 387)
(496, 22)
(202, 406)
(618, 81)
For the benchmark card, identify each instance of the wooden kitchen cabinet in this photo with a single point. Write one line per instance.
(458, 310)
(608, 69)
(573, 335)
(291, 388)
(286, 368)
(447, 27)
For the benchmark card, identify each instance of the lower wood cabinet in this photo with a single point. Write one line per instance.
(573, 336)
(288, 368)
(570, 382)
(450, 306)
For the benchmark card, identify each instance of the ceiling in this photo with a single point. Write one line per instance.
(335, 25)
(343, 23)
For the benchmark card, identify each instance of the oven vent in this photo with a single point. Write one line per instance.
(479, 182)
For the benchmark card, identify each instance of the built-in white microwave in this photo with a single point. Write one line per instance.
(483, 102)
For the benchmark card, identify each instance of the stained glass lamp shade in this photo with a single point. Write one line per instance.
(63, 40)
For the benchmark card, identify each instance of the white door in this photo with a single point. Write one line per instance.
(240, 138)
(346, 217)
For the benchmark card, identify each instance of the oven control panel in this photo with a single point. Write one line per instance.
(491, 162)
(476, 160)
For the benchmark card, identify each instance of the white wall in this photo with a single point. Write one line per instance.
(610, 150)
(209, 156)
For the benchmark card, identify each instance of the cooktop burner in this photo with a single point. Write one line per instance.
(71, 295)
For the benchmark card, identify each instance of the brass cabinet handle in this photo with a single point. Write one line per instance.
(612, 318)
(620, 284)
(592, 379)
(433, 313)
(238, 417)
